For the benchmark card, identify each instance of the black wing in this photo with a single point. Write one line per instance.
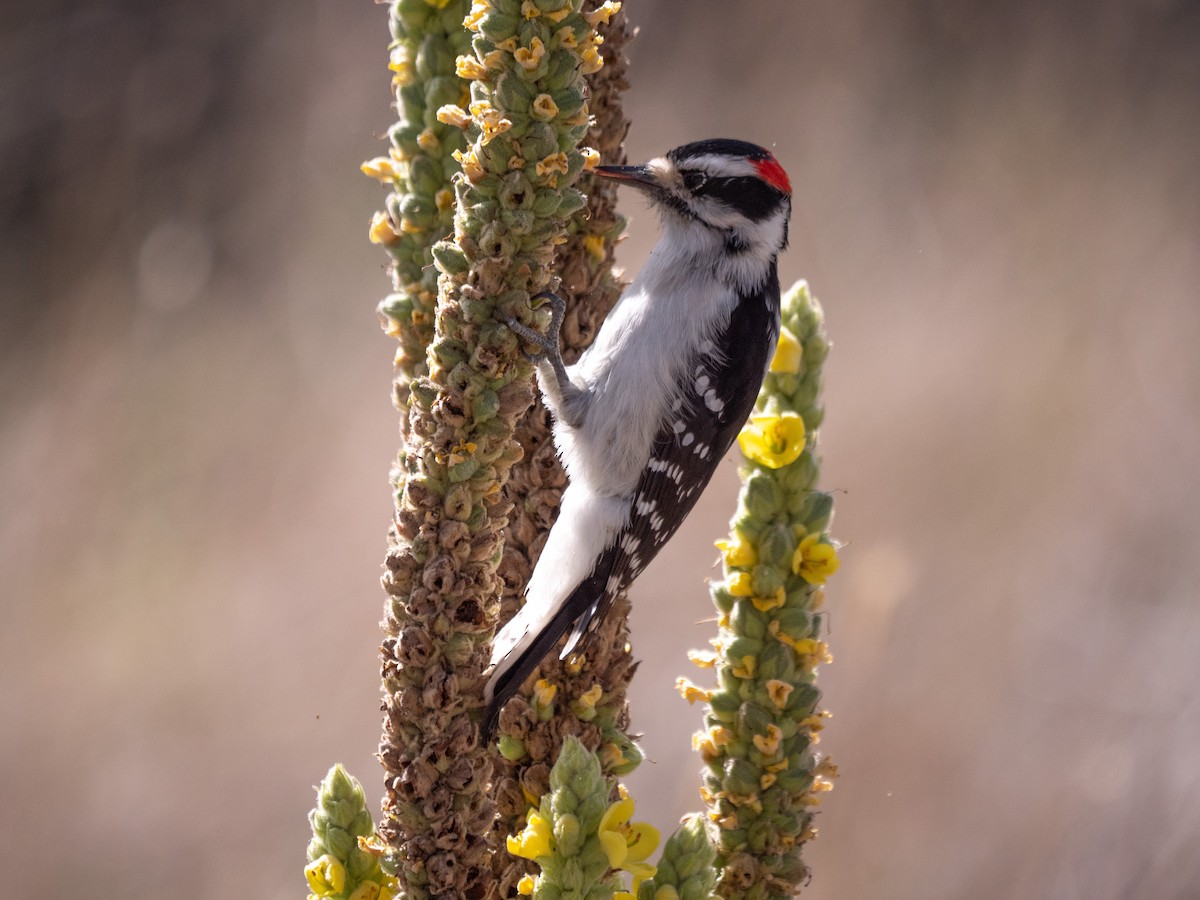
(725, 380)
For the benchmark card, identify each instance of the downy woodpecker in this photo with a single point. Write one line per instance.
(643, 418)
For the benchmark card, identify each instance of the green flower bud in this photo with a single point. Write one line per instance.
(762, 497)
(748, 621)
(450, 258)
(767, 579)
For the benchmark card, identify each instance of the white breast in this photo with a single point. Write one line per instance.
(637, 364)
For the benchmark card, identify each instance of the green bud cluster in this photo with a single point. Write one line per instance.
(763, 775)
(685, 868)
(576, 866)
(513, 196)
(339, 865)
(427, 38)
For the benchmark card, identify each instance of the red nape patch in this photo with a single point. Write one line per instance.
(772, 173)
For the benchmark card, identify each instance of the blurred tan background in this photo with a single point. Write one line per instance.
(998, 204)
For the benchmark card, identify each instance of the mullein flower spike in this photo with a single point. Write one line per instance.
(564, 699)
(577, 838)
(513, 198)
(685, 869)
(763, 777)
(343, 862)
(427, 38)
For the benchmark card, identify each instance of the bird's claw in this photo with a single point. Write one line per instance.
(547, 343)
(558, 306)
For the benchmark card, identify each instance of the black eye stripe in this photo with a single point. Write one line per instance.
(750, 196)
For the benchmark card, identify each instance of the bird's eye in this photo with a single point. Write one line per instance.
(693, 181)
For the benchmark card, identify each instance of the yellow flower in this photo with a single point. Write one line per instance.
(555, 162)
(475, 17)
(815, 560)
(536, 840)
(813, 652)
(403, 68)
(525, 885)
(530, 10)
(768, 744)
(766, 604)
(594, 244)
(326, 876)
(628, 844)
(566, 37)
(738, 552)
(443, 199)
(705, 659)
(592, 61)
(544, 107)
(773, 441)
(589, 698)
(469, 67)
(381, 167)
(741, 584)
(591, 158)
(469, 160)
(491, 121)
(788, 353)
(690, 692)
(529, 58)
(452, 114)
(382, 231)
(746, 669)
(778, 691)
(543, 692)
(601, 14)
(815, 722)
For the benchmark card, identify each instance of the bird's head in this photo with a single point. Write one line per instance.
(734, 189)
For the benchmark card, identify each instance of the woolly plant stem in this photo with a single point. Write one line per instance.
(427, 38)
(763, 776)
(514, 196)
(341, 864)
(587, 696)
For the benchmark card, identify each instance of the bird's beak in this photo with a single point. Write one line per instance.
(638, 176)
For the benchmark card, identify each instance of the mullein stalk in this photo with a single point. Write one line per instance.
(525, 118)
(763, 775)
(562, 834)
(342, 862)
(685, 869)
(587, 697)
(427, 38)
(579, 841)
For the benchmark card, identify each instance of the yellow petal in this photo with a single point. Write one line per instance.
(614, 846)
(642, 841)
(326, 876)
(773, 441)
(788, 353)
(616, 815)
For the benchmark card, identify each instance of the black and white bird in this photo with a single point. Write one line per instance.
(645, 416)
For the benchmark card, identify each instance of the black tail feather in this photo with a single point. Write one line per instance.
(522, 667)
(513, 676)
